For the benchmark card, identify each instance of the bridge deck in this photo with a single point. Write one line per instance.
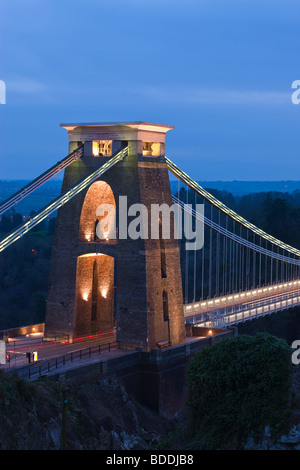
(242, 306)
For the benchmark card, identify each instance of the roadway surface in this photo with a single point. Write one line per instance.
(16, 348)
(56, 358)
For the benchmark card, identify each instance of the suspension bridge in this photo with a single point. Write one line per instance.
(240, 274)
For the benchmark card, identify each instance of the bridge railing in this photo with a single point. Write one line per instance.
(239, 297)
(40, 368)
(241, 313)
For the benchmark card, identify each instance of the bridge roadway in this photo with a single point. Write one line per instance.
(17, 348)
(58, 358)
(231, 309)
(218, 312)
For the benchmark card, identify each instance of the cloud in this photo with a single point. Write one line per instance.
(26, 86)
(178, 95)
(210, 96)
(29, 91)
(64, 93)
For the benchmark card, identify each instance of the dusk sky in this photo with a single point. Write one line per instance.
(220, 71)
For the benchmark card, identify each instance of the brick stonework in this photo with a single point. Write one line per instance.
(133, 267)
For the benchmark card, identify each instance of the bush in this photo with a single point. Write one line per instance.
(238, 387)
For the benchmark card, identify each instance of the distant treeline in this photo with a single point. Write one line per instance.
(24, 272)
(12, 219)
(276, 213)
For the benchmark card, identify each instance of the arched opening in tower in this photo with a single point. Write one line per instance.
(94, 302)
(98, 214)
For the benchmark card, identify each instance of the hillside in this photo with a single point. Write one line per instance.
(43, 195)
(98, 416)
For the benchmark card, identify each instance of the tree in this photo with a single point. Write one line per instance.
(236, 388)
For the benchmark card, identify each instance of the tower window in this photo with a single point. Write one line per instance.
(165, 306)
(102, 148)
(151, 148)
(162, 253)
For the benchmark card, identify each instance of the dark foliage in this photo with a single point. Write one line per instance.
(24, 273)
(238, 387)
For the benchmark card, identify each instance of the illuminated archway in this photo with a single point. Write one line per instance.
(97, 219)
(94, 302)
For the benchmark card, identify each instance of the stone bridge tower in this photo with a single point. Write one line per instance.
(97, 284)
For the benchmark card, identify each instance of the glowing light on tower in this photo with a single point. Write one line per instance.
(104, 292)
(85, 296)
